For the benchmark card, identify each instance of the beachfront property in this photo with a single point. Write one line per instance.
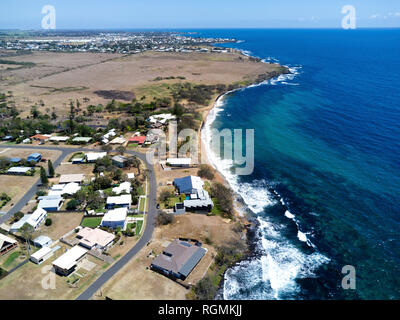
(95, 238)
(66, 264)
(41, 255)
(50, 203)
(19, 170)
(119, 161)
(197, 199)
(122, 201)
(36, 157)
(93, 156)
(179, 162)
(115, 218)
(7, 244)
(42, 241)
(37, 217)
(178, 259)
(68, 178)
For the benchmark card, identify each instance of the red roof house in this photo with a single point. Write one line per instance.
(138, 139)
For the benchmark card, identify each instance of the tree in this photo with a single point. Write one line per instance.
(48, 222)
(205, 171)
(71, 116)
(43, 176)
(224, 197)
(72, 204)
(51, 169)
(18, 216)
(165, 195)
(120, 150)
(27, 233)
(106, 147)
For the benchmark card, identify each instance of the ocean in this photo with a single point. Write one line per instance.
(325, 191)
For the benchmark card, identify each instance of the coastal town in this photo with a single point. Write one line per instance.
(79, 197)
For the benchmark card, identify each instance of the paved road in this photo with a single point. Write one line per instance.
(147, 233)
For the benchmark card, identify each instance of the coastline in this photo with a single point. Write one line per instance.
(240, 210)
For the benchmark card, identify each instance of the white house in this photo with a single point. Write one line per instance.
(179, 162)
(124, 187)
(93, 156)
(124, 200)
(18, 225)
(41, 255)
(65, 264)
(60, 189)
(115, 218)
(37, 217)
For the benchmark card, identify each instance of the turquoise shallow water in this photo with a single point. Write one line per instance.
(326, 184)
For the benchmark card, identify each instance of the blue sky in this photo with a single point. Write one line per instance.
(94, 14)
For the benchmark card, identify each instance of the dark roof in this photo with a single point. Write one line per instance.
(184, 184)
(179, 257)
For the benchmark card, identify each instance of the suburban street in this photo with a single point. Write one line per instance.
(150, 222)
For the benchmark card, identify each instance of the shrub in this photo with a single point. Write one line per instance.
(72, 204)
(48, 222)
(205, 289)
(164, 218)
(224, 197)
(206, 172)
(165, 195)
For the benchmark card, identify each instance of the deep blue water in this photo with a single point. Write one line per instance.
(326, 184)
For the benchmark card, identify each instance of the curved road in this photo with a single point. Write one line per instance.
(148, 231)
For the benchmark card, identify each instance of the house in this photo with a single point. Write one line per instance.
(178, 259)
(95, 238)
(6, 244)
(119, 161)
(50, 203)
(36, 157)
(179, 162)
(19, 170)
(123, 201)
(77, 160)
(124, 187)
(130, 175)
(93, 156)
(37, 217)
(19, 224)
(188, 185)
(59, 139)
(197, 198)
(161, 118)
(115, 218)
(65, 264)
(42, 241)
(8, 138)
(68, 178)
(40, 137)
(60, 189)
(42, 255)
(138, 139)
(82, 139)
(118, 140)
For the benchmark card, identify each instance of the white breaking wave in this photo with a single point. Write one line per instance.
(274, 274)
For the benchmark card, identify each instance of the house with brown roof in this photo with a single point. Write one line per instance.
(95, 238)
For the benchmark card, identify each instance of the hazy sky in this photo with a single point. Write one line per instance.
(26, 14)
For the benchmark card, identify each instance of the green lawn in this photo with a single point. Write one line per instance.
(141, 204)
(11, 258)
(139, 224)
(216, 210)
(136, 215)
(91, 222)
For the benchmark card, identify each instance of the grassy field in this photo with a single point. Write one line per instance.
(92, 222)
(139, 225)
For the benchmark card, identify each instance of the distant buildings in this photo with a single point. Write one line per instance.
(19, 170)
(119, 161)
(93, 156)
(68, 178)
